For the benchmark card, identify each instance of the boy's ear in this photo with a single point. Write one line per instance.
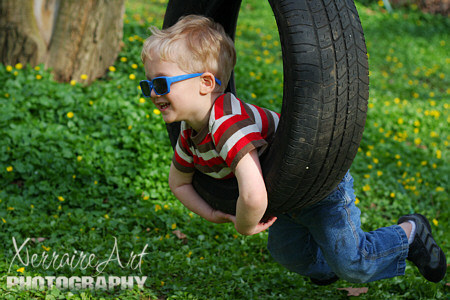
(207, 83)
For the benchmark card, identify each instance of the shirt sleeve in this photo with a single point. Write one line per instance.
(235, 136)
(182, 157)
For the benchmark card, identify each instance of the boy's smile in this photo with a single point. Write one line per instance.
(162, 106)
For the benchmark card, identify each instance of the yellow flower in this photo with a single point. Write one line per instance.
(439, 189)
(84, 77)
(366, 188)
(438, 154)
(21, 270)
(123, 59)
(134, 66)
(146, 197)
(9, 169)
(435, 222)
(112, 69)
(156, 111)
(60, 198)
(253, 95)
(73, 82)
(379, 173)
(400, 121)
(46, 248)
(141, 100)
(9, 68)
(130, 127)
(38, 77)
(106, 216)
(132, 76)
(37, 68)
(4, 221)
(392, 195)
(174, 226)
(19, 66)
(70, 115)
(95, 182)
(357, 201)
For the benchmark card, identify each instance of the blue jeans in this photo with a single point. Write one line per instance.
(326, 239)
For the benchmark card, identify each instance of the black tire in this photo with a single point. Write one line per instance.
(324, 107)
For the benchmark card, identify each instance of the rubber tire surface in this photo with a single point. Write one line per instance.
(325, 94)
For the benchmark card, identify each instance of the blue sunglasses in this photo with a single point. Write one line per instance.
(161, 85)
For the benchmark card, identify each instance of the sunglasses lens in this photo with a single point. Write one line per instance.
(145, 88)
(160, 86)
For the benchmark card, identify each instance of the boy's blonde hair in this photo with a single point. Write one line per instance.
(196, 44)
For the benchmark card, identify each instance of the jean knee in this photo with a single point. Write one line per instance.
(354, 272)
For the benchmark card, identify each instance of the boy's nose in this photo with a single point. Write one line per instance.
(153, 94)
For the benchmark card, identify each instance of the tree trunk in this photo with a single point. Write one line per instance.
(430, 6)
(20, 40)
(70, 37)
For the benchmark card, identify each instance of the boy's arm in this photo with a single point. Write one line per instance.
(252, 201)
(181, 185)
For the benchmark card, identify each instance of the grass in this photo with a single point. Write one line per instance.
(80, 165)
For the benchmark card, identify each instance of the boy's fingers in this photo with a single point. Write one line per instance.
(231, 218)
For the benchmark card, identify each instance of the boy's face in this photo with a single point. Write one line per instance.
(180, 104)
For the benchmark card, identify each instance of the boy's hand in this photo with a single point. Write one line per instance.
(260, 227)
(218, 216)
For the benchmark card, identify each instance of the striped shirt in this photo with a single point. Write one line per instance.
(234, 129)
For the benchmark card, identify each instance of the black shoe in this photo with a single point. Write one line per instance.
(326, 281)
(424, 252)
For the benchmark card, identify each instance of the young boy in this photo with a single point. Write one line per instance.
(188, 67)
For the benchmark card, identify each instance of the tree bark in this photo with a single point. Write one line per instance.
(70, 37)
(430, 6)
(86, 38)
(20, 40)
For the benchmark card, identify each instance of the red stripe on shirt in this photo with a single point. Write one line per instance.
(264, 120)
(225, 125)
(245, 140)
(182, 161)
(218, 107)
